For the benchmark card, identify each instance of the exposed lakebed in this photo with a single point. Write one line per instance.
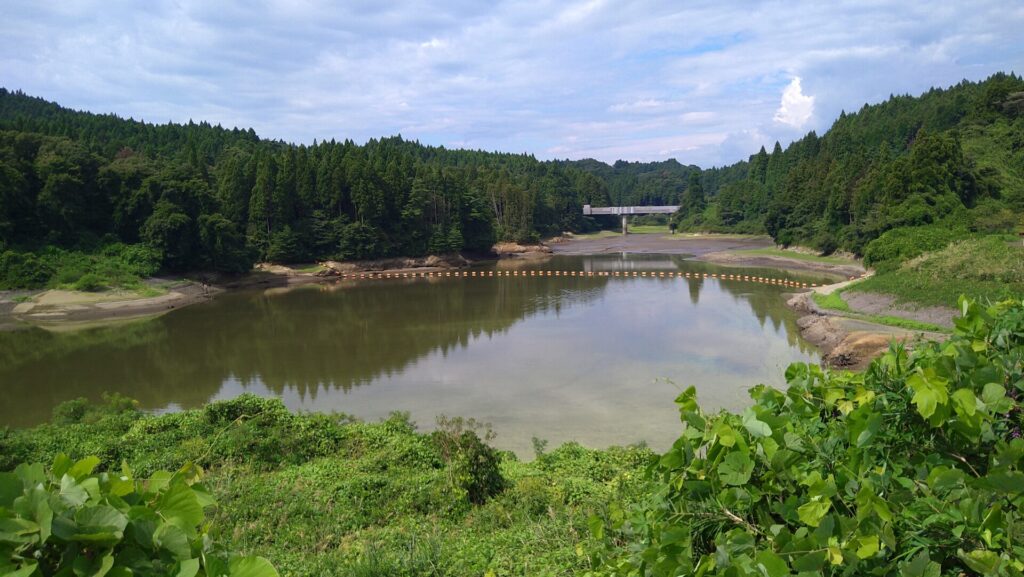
(596, 359)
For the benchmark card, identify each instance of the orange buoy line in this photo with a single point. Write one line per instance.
(574, 273)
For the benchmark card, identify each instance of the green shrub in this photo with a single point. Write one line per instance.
(473, 464)
(987, 268)
(914, 467)
(23, 270)
(899, 245)
(89, 282)
(70, 412)
(66, 520)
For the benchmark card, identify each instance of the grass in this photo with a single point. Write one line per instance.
(834, 301)
(792, 254)
(595, 235)
(151, 291)
(648, 229)
(323, 495)
(308, 268)
(983, 268)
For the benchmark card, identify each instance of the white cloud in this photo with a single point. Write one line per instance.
(796, 107)
(512, 75)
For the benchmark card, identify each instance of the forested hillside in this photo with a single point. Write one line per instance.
(656, 183)
(952, 157)
(88, 199)
(128, 198)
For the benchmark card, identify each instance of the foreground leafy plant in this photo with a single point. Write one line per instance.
(913, 468)
(69, 521)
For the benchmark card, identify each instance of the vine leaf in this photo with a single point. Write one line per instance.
(736, 468)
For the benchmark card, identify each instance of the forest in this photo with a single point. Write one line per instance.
(98, 196)
(951, 159)
(92, 200)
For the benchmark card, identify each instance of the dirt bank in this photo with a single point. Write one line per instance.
(269, 275)
(68, 308)
(848, 343)
(730, 258)
(696, 245)
(513, 249)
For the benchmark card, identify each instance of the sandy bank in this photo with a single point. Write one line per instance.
(729, 258)
(268, 275)
(66, 310)
(73, 308)
(849, 343)
(696, 245)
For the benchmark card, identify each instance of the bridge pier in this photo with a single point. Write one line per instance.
(625, 211)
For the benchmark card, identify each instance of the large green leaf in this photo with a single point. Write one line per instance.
(188, 568)
(174, 540)
(813, 511)
(929, 392)
(735, 468)
(180, 506)
(11, 488)
(867, 546)
(771, 565)
(83, 468)
(982, 561)
(72, 493)
(754, 426)
(26, 570)
(251, 567)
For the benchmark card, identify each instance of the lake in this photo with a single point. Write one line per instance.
(597, 359)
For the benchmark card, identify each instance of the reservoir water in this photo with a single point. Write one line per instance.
(596, 359)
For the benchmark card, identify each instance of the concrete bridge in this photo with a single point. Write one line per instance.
(625, 211)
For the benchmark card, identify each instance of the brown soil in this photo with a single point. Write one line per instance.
(696, 245)
(732, 259)
(848, 343)
(73, 308)
(507, 249)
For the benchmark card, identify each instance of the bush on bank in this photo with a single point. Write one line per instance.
(325, 495)
(914, 467)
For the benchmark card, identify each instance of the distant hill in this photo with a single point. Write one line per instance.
(952, 157)
(196, 196)
(205, 197)
(655, 183)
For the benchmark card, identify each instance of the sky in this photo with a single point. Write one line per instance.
(706, 83)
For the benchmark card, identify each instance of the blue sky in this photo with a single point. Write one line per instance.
(706, 83)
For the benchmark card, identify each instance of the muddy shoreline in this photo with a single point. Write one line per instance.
(844, 342)
(68, 310)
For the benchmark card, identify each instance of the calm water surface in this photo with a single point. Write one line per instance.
(593, 359)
